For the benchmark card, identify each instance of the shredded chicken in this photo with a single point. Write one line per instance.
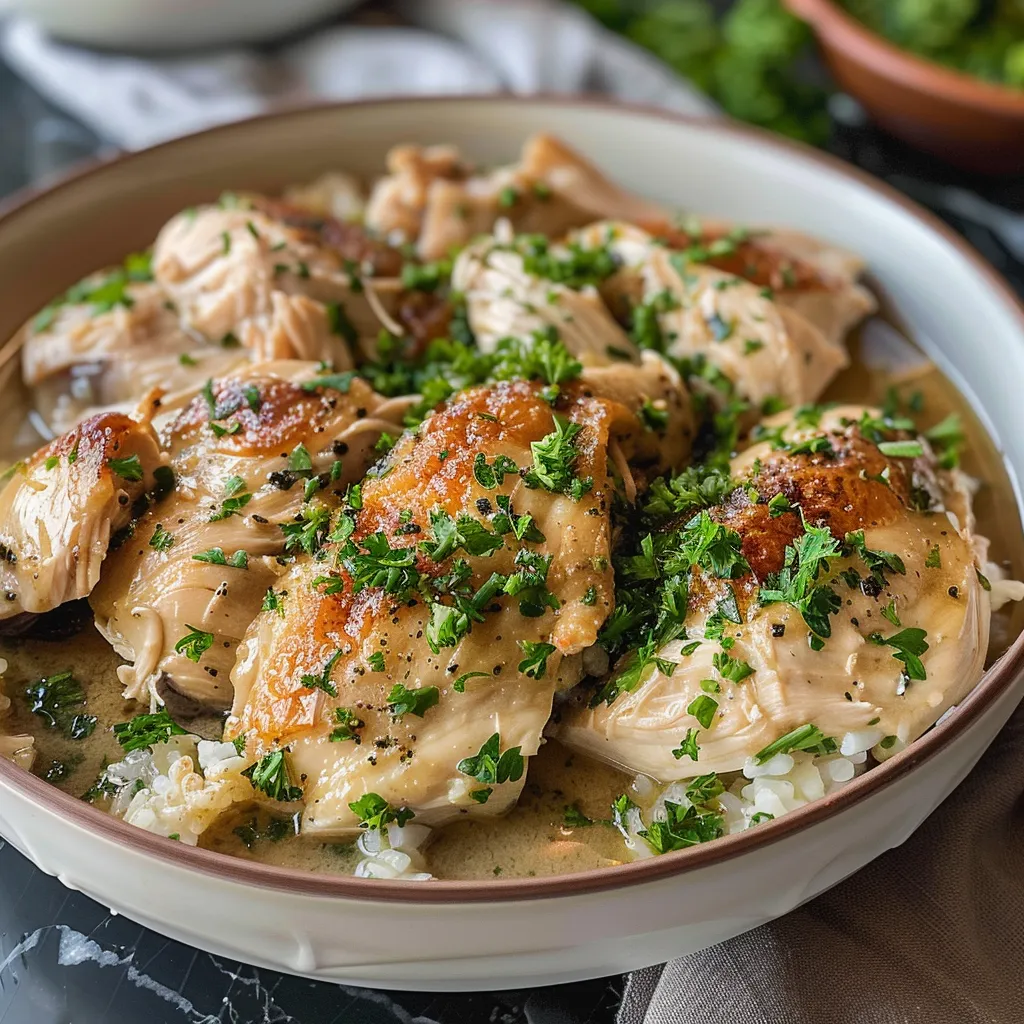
(432, 197)
(232, 494)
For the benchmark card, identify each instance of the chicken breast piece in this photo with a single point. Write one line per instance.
(864, 615)
(504, 299)
(691, 309)
(107, 343)
(817, 280)
(431, 196)
(64, 506)
(245, 457)
(465, 580)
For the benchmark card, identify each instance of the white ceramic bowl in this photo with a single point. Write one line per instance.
(172, 24)
(499, 934)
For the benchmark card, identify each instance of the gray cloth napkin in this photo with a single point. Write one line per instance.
(443, 47)
(930, 933)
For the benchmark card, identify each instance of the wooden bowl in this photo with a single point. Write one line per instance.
(965, 121)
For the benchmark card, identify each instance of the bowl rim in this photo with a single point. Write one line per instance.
(993, 685)
(837, 28)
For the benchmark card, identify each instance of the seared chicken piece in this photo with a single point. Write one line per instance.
(63, 506)
(433, 198)
(467, 580)
(333, 195)
(817, 280)
(243, 455)
(863, 615)
(763, 348)
(504, 299)
(81, 356)
(237, 273)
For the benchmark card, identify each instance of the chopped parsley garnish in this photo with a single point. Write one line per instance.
(535, 660)
(459, 686)
(573, 817)
(347, 726)
(805, 737)
(554, 459)
(376, 661)
(703, 708)
(522, 527)
(684, 826)
(128, 468)
(402, 701)
(731, 668)
(235, 499)
(572, 266)
(216, 556)
(491, 475)
(309, 530)
(947, 439)
(492, 766)
(55, 699)
(909, 645)
(147, 730)
(194, 644)
(273, 601)
(465, 532)
(653, 417)
(798, 583)
(934, 559)
(335, 381)
(688, 746)
(162, 540)
(375, 813)
(322, 680)
(381, 565)
(270, 775)
(901, 449)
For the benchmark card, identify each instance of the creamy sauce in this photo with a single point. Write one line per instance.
(531, 840)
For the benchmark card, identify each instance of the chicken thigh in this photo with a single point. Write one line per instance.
(413, 664)
(835, 586)
(247, 455)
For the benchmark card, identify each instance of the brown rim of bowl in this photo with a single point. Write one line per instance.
(992, 686)
(837, 27)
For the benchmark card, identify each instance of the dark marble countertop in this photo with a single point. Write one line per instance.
(64, 959)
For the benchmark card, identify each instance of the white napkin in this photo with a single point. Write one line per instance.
(446, 46)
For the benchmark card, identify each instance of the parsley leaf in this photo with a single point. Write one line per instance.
(688, 746)
(194, 644)
(147, 730)
(270, 775)
(375, 813)
(535, 662)
(412, 702)
(323, 680)
(128, 468)
(805, 737)
(492, 766)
